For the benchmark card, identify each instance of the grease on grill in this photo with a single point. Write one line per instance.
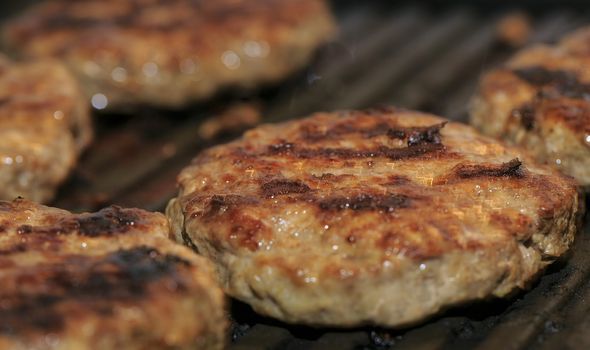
(121, 275)
(283, 186)
(512, 168)
(362, 202)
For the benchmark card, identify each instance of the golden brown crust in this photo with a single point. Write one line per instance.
(169, 53)
(44, 125)
(345, 199)
(540, 100)
(101, 280)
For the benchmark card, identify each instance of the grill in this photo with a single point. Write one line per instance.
(426, 57)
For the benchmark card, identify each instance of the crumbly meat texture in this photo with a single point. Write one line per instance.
(540, 100)
(44, 125)
(105, 280)
(168, 53)
(377, 217)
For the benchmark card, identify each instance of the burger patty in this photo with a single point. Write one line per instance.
(44, 125)
(540, 99)
(105, 280)
(168, 53)
(377, 217)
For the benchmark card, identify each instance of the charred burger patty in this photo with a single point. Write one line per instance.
(377, 217)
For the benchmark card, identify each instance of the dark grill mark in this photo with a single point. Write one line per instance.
(121, 275)
(413, 151)
(554, 83)
(415, 135)
(362, 202)
(526, 115)
(188, 241)
(106, 222)
(508, 169)
(17, 248)
(541, 76)
(425, 135)
(220, 202)
(283, 186)
(397, 180)
(4, 100)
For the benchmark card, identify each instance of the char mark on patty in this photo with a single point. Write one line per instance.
(554, 83)
(526, 114)
(425, 135)
(412, 151)
(107, 222)
(123, 275)
(414, 135)
(512, 168)
(279, 187)
(366, 202)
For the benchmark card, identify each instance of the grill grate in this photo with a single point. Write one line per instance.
(409, 55)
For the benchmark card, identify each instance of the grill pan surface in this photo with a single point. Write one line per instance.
(426, 57)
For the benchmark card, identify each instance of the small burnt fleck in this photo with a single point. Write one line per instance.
(279, 187)
(363, 202)
(526, 115)
(221, 202)
(281, 148)
(325, 177)
(428, 134)
(396, 134)
(512, 168)
(351, 239)
(188, 241)
(24, 229)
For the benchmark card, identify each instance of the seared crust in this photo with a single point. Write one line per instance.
(170, 53)
(106, 280)
(371, 217)
(44, 125)
(541, 100)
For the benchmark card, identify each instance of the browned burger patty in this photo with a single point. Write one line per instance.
(168, 53)
(106, 280)
(540, 99)
(371, 217)
(44, 125)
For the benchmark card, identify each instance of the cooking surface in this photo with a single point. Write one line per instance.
(427, 58)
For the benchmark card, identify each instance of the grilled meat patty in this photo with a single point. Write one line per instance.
(105, 280)
(44, 125)
(540, 99)
(168, 53)
(371, 217)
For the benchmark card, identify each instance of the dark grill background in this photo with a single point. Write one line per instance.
(426, 57)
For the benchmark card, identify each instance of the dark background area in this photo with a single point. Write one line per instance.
(421, 55)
